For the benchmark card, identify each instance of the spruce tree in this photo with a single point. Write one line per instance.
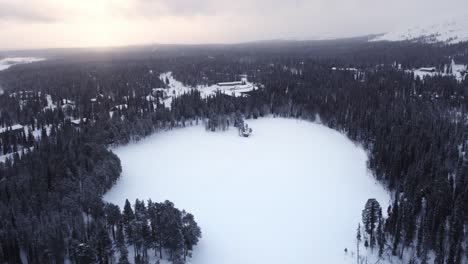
(370, 218)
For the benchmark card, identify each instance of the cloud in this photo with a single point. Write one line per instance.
(23, 12)
(189, 8)
(65, 23)
(181, 8)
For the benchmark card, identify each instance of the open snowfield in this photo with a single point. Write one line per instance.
(291, 193)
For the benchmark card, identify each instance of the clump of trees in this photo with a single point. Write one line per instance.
(160, 227)
(51, 207)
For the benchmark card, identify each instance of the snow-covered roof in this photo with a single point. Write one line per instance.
(77, 121)
(343, 69)
(11, 128)
(150, 98)
(120, 107)
(230, 83)
(431, 69)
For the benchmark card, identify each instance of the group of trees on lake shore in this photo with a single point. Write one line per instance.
(51, 207)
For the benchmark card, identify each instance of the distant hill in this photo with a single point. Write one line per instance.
(450, 31)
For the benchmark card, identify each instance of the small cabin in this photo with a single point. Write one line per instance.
(26, 95)
(231, 83)
(432, 69)
(119, 107)
(15, 129)
(78, 122)
(159, 93)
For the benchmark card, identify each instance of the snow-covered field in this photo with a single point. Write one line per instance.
(9, 62)
(291, 193)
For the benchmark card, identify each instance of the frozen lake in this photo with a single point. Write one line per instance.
(291, 193)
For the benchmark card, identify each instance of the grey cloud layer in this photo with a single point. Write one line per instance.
(22, 12)
(118, 22)
(213, 7)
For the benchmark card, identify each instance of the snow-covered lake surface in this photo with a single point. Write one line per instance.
(291, 193)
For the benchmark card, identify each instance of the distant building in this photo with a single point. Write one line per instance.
(77, 122)
(24, 95)
(12, 129)
(159, 93)
(119, 107)
(432, 69)
(231, 83)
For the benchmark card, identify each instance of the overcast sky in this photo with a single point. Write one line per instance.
(85, 23)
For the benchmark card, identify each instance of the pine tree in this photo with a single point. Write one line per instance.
(112, 216)
(120, 240)
(358, 240)
(370, 218)
(127, 217)
(128, 212)
(83, 254)
(456, 232)
(380, 234)
(440, 248)
(420, 237)
(123, 259)
(190, 231)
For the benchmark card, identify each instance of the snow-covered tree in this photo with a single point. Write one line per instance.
(370, 217)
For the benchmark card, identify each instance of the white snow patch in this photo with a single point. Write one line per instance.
(9, 62)
(291, 193)
(459, 71)
(50, 103)
(3, 158)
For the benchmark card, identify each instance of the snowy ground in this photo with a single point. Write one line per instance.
(9, 62)
(177, 88)
(291, 193)
(458, 71)
(36, 133)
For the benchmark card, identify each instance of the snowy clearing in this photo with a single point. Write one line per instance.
(458, 71)
(9, 62)
(291, 193)
(177, 88)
